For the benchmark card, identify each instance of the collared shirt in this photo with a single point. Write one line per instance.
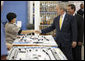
(74, 14)
(3, 41)
(63, 18)
(82, 10)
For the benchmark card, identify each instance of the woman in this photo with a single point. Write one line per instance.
(12, 30)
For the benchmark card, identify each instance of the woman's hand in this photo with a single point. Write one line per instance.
(9, 46)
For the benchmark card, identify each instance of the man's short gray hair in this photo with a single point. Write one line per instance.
(62, 6)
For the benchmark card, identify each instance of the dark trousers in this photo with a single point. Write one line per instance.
(66, 48)
(76, 53)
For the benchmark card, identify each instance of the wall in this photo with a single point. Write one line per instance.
(18, 7)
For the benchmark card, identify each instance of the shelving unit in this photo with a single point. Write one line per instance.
(47, 14)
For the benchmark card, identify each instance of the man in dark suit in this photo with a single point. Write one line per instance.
(81, 10)
(66, 31)
(80, 26)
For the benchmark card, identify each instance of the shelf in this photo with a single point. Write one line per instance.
(47, 12)
(45, 25)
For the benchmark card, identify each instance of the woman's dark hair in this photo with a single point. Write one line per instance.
(11, 16)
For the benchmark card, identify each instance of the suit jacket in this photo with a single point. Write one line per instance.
(68, 31)
(80, 12)
(80, 27)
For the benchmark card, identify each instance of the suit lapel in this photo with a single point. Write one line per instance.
(64, 21)
(58, 23)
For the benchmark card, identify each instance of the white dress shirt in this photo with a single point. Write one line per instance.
(63, 18)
